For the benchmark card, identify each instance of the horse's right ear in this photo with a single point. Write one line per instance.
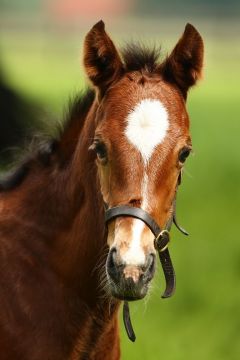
(101, 59)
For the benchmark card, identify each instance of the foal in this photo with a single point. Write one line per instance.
(124, 144)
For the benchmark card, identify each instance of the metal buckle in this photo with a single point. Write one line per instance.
(162, 240)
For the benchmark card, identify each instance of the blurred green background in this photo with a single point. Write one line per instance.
(40, 52)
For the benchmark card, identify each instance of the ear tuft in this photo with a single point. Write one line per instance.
(184, 65)
(99, 25)
(101, 59)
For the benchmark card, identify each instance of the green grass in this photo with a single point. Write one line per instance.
(202, 320)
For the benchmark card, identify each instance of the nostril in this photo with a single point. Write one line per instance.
(111, 261)
(150, 266)
(152, 263)
(113, 269)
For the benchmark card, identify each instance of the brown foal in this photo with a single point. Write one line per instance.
(62, 271)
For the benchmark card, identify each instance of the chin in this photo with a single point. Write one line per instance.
(128, 291)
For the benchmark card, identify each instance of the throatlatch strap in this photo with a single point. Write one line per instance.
(174, 218)
(177, 225)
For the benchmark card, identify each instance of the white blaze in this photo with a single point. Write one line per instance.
(147, 125)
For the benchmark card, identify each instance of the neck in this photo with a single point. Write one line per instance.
(86, 243)
(60, 236)
(83, 243)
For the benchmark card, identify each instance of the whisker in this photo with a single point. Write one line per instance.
(188, 174)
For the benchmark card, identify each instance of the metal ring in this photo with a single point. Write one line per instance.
(163, 236)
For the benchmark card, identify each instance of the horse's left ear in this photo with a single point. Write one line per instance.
(101, 59)
(184, 65)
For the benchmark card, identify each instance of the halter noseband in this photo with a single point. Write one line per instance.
(161, 240)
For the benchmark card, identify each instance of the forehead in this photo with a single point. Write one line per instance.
(144, 113)
(144, 124)
(143, 95)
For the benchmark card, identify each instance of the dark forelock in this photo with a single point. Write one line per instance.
(139, 57)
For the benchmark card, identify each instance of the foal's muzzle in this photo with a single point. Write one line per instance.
(160, 242)
(129, 282)
(135, 286)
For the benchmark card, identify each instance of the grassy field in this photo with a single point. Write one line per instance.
(202, 320)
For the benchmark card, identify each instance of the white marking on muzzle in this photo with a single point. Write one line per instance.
(135, 254)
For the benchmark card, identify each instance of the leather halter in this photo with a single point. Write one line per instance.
(161, 240)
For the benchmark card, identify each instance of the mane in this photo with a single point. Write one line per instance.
(41, 151)
(136, 57)
(139, 57)
(78, 107)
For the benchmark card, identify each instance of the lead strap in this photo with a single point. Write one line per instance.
(127, 322)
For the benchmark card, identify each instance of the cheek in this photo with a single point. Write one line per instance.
(161, 196)
(104, 178)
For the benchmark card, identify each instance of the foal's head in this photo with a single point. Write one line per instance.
(141, 142)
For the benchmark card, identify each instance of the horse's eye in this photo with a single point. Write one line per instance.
(100, 149)
(183, 154)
